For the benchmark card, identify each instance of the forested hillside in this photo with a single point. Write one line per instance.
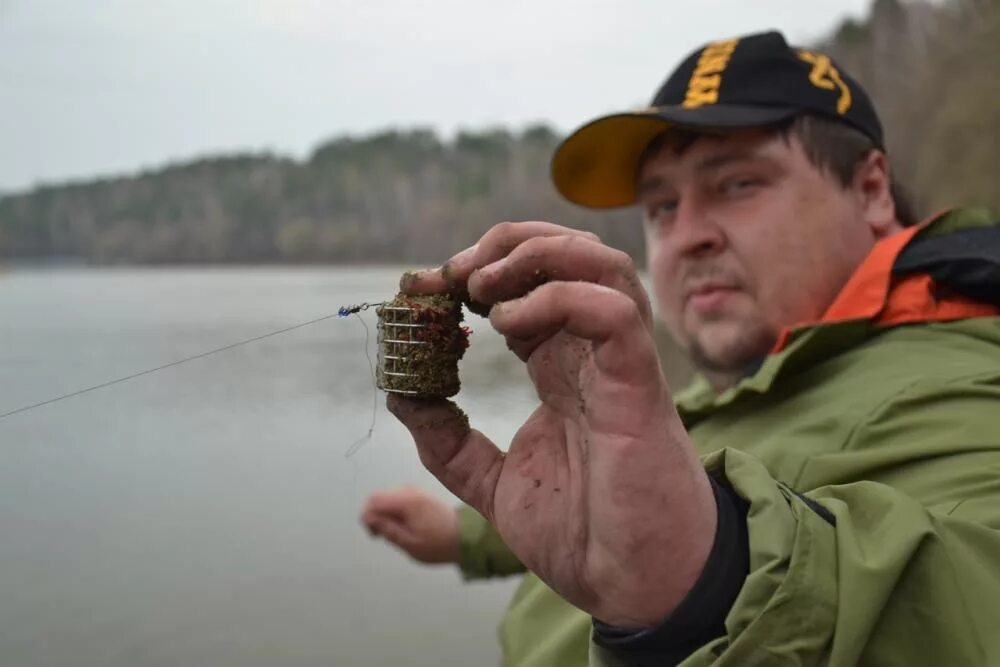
(933, 71)
(395, 196)
(410, 196)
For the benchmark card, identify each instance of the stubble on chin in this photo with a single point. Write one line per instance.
(731, 352)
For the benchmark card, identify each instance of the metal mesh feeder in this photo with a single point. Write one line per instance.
(420, 340)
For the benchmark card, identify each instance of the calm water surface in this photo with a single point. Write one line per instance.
(206, 514)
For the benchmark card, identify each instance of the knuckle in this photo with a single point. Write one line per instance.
(500, 233)
(556, 293)
(623, 308)
(571, 245)
(535, 248)
(501, 239)
(623, 261)
(547, 249)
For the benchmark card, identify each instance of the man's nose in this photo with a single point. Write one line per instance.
(696, 233)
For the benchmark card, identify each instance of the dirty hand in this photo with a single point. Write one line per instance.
(416, 522)
(600, 492)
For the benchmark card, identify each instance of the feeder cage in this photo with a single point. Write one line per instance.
(420, 340)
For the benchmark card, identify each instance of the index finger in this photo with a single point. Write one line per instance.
(495, 244)
(502, 239)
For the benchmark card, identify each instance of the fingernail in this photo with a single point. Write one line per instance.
(406, 410)
(479, 308)
(457, 261)
(409, 277)
(447, 270)
(395, 402)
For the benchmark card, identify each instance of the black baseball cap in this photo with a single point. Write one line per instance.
(745, 82)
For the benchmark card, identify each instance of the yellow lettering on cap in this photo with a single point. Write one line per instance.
(713, 65)
(824, 75)
(705, 94)
(703, 88)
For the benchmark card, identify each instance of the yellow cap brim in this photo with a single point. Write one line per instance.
(596, 165)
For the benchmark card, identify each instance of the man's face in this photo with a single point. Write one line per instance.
(745, 237)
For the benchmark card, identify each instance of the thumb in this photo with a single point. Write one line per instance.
(463, 459)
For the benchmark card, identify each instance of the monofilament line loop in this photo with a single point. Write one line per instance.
(356, 445)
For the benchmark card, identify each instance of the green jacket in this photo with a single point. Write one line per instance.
(891, 422)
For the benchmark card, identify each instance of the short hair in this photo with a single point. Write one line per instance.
(831, 146)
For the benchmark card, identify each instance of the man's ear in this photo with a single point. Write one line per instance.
(873, 185)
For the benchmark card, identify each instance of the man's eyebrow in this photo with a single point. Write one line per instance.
(717, 161)
(649, 185)
(710, 163)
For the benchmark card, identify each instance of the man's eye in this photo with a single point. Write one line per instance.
(738, 186)
(661, 209)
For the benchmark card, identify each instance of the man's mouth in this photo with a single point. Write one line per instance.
(710, 297)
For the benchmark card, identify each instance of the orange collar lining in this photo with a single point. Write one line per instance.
(872, 294)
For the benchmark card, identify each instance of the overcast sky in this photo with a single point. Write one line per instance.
(102, 87)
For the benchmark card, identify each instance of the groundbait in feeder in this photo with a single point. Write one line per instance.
(420, 340)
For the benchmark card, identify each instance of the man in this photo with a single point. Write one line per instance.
(828, 491)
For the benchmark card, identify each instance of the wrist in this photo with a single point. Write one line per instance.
(652, 578)
(701, 616)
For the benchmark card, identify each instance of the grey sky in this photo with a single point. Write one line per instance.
(101, 87)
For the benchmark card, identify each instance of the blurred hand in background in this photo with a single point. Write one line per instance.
(415, 521)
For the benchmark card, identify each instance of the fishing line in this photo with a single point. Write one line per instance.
(343, 312)
(357, 444)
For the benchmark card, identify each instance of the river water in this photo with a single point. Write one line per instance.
(206, 514)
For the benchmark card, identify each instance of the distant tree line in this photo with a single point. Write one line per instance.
(410, 196)
(394, 196)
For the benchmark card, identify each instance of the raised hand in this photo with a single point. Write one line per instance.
(600, 493)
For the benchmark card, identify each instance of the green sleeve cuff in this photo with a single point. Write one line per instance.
(482, 553)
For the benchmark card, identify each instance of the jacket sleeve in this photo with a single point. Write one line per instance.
(482, 554)
(902, 569)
